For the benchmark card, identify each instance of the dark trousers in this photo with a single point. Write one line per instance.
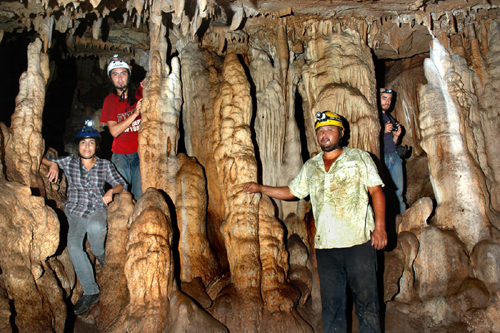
(354, 266)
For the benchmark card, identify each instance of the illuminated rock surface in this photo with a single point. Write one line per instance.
(230, 93)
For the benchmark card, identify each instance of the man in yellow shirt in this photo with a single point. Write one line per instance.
(340, 182)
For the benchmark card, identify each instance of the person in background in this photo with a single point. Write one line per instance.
(86, 206)
(392, 131)
(121, 111)
(340, 182)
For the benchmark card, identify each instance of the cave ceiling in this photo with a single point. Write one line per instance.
(395, 29)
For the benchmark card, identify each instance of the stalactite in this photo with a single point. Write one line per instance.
(238, 16)
(45, 30)
(178, 11)
(96, 28)
(283, 54)
(336, 79)
(95, 3)
(270, 119)
(202, 5)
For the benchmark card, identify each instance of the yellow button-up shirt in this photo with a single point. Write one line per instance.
(339, 197)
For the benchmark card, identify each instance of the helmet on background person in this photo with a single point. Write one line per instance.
(386, 91)
(116, 62)
(328, 118)
(88, 132)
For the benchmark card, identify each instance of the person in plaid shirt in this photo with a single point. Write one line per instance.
(86, 206)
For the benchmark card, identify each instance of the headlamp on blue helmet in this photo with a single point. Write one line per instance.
(88, 132)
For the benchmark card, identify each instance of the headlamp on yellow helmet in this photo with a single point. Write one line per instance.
(328, 118)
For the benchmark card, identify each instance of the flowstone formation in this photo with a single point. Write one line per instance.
(231, 89)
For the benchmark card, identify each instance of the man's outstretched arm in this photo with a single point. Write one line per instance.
(280, 192)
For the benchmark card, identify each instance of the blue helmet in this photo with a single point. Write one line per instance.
(88, 132)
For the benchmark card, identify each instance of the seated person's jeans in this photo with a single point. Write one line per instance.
(95, 227)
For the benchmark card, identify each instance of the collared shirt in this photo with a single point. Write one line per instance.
(86, 187)
(339, 197)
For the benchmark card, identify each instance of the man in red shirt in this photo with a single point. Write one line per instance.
(122, 113)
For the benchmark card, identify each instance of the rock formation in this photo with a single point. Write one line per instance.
(231, 89)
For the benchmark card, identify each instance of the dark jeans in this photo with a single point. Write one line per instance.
(394, 165)
(357, 267)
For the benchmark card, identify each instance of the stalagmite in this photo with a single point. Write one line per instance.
(274, 263)
(23, 141)
(460, 191)
(236, 165)
(200, 84)
(230, 96)
(196, 256)
(31, 233)
(149, 267)
(112, 280)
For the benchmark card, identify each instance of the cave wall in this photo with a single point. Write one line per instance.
(239, 95)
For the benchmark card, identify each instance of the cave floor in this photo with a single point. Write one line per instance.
(395, 322)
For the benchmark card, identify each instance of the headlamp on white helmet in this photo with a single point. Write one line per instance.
(116, 62)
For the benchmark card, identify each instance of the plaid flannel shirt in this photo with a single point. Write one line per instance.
(86, 187)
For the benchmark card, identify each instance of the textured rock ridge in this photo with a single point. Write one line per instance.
(23, 142)
(31, 233)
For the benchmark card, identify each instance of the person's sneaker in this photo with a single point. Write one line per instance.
(100, 259)
(85, 302)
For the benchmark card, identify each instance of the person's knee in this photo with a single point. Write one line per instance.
(74, 249)
(97, 228)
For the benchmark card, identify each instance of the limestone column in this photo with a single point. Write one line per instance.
(457, 180)
(162, 99)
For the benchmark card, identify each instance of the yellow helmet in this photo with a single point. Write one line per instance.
(328, 118)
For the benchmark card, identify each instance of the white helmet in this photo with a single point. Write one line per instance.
(116, 62)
